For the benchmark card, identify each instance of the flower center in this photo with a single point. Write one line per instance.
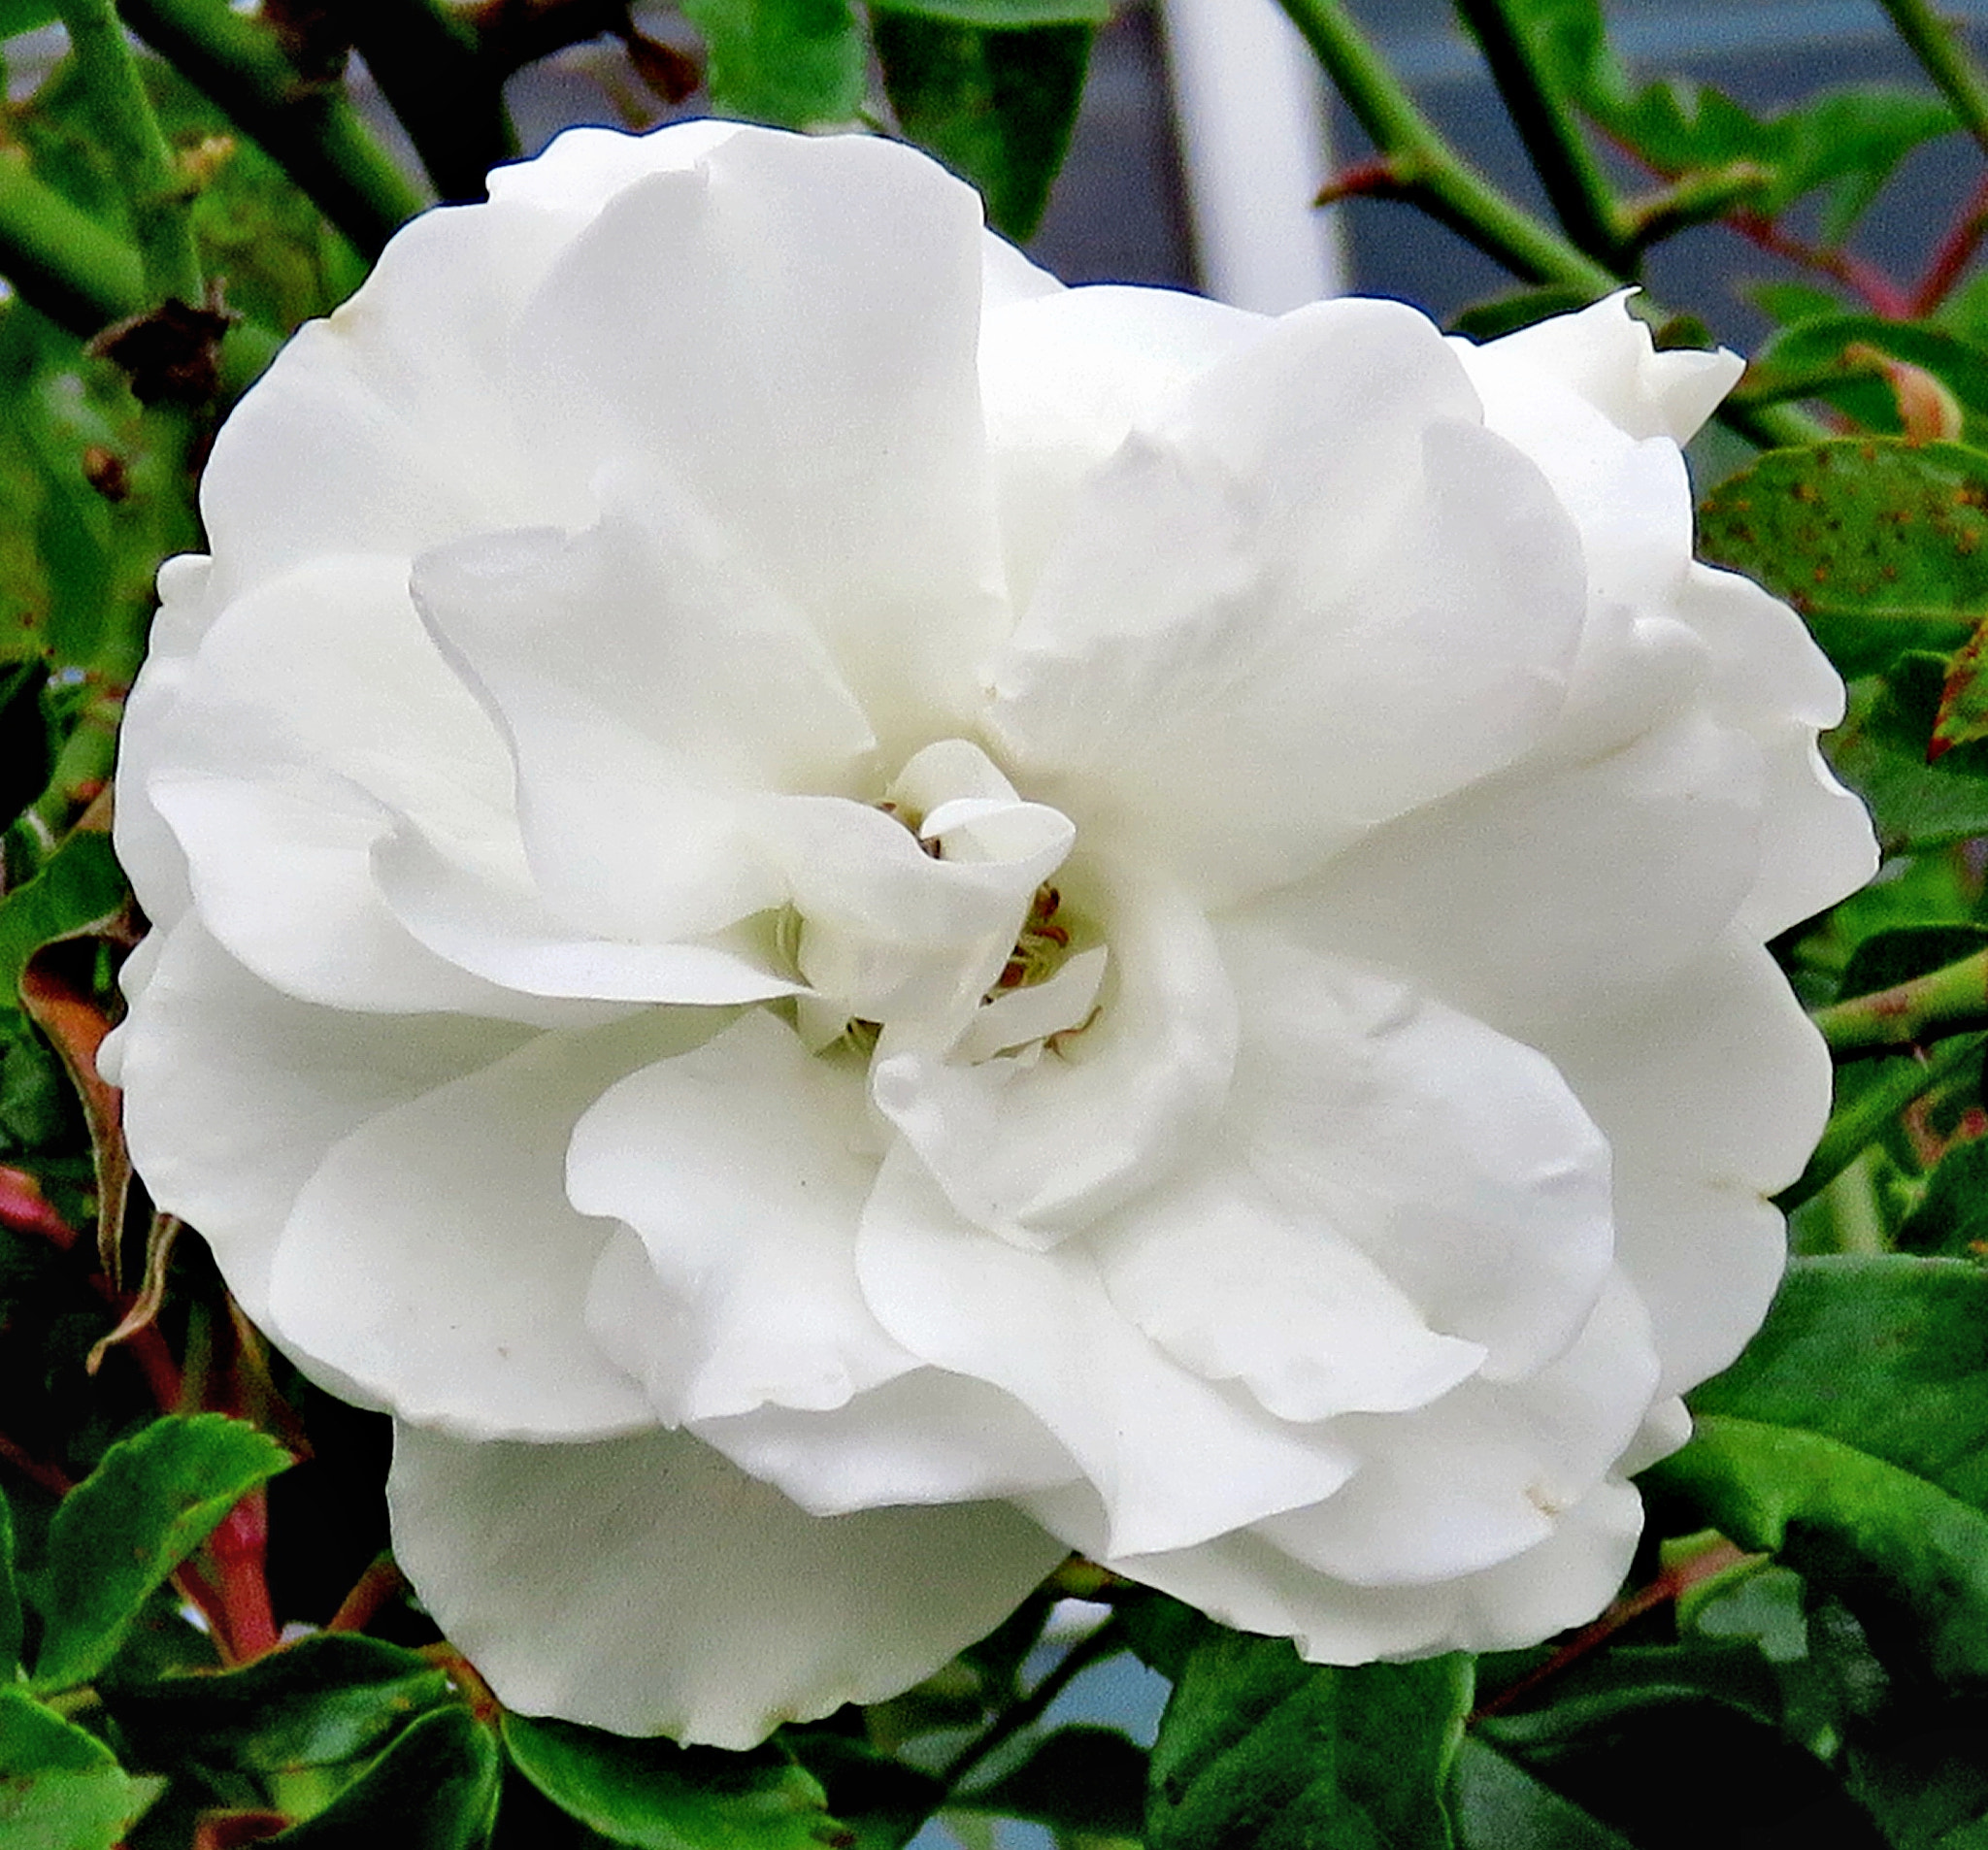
(940, 931)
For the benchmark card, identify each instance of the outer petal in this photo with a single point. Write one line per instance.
(434, 1265)
(1607, 357)
(1528, 898)
(313, 713)
(817, 387)
(1712, 1092)
(234, 1093)
(644, 1585)
(1175, 1458)
(1317, 525)
(1246, 1581)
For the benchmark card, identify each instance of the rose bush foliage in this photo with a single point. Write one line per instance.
(845, 920)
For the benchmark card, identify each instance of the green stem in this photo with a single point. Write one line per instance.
(60, 259)
(125, 128)
(310, 129)
(1426, 167)
(1576, 186)
(1855, 1126)
(1949, 1001)
(1086, 1651)
(1938, 49)
(450, 99)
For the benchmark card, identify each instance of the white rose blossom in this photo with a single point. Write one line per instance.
(844, 920)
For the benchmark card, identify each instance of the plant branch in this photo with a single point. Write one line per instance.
(1003, 1728)
(1956, 250)
(1577, 188)
(308, 128)
(59, 259)
(125, 125)
(1908, 1016)
(1424, 167)
(1880, 294)
(449, 98)
(1853, 1128)
(1946, 59)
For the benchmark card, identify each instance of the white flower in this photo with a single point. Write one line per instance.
(845, 920)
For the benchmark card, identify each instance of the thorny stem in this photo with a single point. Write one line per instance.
(309, 127)
(1427, 169)
(1949, 1001)
(1086, 1651)
(1945, 60)
(62, 261)
(430, 67)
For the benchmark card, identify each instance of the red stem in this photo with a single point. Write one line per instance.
(239, 1550)
(1881, 295)
(1949, 263)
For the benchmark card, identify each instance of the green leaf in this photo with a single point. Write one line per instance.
(882, 1800)
(26, 16)
(795, 63)
(1829, 357)
(151, 1502)
(657, 1795)
(995, 105)
(77, 889)
(1879, 751)
(1897, 956)
(434, 1789)
(1261, 1751)
(1079, 1778)
(9, 1598)
(1498, 1805)
(320, 1701)
(1843, 141)
(994, 14)
(1851, 1439)
(60, 1789)
(1878, 542)
(1903, 1554)
(1952, 1220)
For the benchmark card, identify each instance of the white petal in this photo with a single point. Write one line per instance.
(1066, 375)
(648, 683)
(743, 1167)
(314, 713)
(814, 305)
(1175, 1459)
(1712, 1092)
(1246, 1581)
(926, 1437)
(234, 1093)
(1458, 1161)
(433, 1264)
(1481, 1475)
(1237, 1287)
(491, 922)
(1318, 525)
(1526, 899)
(1033, 1149)
(644, 1585)
(1607, 356)
(580, 169)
